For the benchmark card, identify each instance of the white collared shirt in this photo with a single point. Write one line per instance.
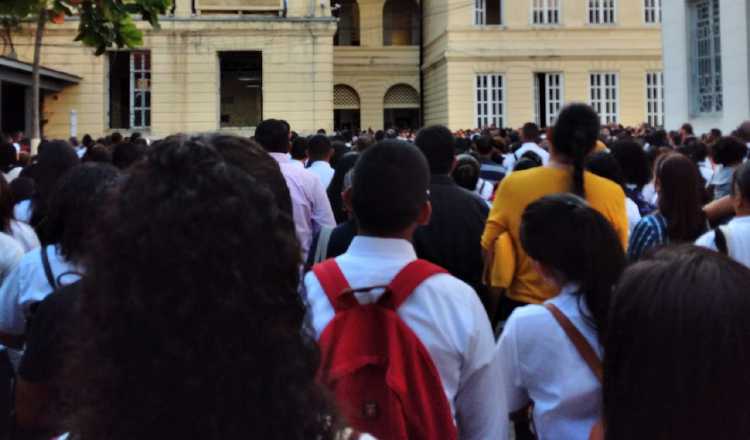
(447, 317)
(323, 170)
(539, 363)
(737, 233)
(512, 158)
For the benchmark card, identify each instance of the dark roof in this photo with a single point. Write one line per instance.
(19, 72)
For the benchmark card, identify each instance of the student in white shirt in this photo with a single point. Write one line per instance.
(10, 255)
(23, 233)
(574, 248)
(319, 151)
(389, 198)
(529, 138)
(604, 164)
(736, 233)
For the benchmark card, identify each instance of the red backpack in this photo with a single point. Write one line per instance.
(382, 376)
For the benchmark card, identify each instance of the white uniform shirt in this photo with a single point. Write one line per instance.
(22, 211)
(323, 170)
(512, 158)
(27, 284)
(447, 317)
(539, 363)
(11, 253)
(634, 214)
(25, 235)
(737, 232)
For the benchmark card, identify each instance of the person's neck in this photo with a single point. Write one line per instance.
(557, 161)
(406, 234)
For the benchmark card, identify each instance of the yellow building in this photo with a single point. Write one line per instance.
(226, 64)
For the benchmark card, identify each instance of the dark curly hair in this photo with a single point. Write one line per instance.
(190, 324)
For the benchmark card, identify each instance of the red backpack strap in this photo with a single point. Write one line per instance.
(408, 279)
(335, 285)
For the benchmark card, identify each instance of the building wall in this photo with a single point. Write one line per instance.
(517, 49)
(297, 71)
(735, 66)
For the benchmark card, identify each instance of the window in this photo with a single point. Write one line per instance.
(347, 33)
(706, 62)
(401, 24)
(604, 96)
(241, 89)
(488, 12)
(545, 12)
(652, 11)
(601, 11)
(655, 99)
(490, 102)
(548, 98)
(130, 89)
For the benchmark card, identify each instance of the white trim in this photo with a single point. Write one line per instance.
(654, 97)
(653, 8)
(480, 12)
(547, 9)
(603, 105)
(602, 10)
(489, 109)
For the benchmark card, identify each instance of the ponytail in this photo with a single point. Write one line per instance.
(564, 233)
(574, 136)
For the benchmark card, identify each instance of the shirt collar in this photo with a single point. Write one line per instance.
(366, 246)
(280, 157)
(530, 144)
(743, 219)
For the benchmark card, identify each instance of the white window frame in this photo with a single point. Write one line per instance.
(553, 102)
(706, 71)
(602, 12)
(480, 12)
(140, 86)
(489, 99)
(604, 95)
(545, 12)
(652, 11)
(655, 98)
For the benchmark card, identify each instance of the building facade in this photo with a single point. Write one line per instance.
(358, 64)
(706, 63)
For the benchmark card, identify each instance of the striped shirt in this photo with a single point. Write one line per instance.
(491, 171)
(649, 233)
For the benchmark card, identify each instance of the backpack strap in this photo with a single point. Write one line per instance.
(579, 341)
(408, 279)
(321, 250)
(335, 285)
(48, 269)
(720, 239)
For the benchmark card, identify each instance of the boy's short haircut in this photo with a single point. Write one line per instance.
(318, 147)
(391, 184)
(438, 145)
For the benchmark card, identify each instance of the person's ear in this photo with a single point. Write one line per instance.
(346, 197)
(425, 212)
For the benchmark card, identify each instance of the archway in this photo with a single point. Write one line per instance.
(401, 107)
(346, 114)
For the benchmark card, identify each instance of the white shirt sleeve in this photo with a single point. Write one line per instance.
(509, 363)
(322, 214)
(708, 241)
(12, 320)
(481, 409)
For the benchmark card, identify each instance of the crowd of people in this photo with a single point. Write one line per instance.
(583, 281)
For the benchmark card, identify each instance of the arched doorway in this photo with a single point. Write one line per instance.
(401, 24)
(345, 108)
(401, 107)
(347, 33)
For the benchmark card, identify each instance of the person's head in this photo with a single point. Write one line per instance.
(391, 134)
(364, 142)
(439, 147)
(743, 131)
(338, 185)
(729, 151)
(179, 300)
(676, 354)
(379, 135)
(273, 135)
(573, 138)
(8, 157)
(484, 146)
(97, 154)
(604, 164)
(115, 138)
(466, 172)
(251, 158)
(530, 132)
(697, 151)
(87, 141)
(633, 162)
(680, 189)
(7, 203)
(526, 163)
(319, 148)
(135, 136)
(299, 149)
(390, 192)
(686, 130)
(55, 158)
(741, 190)
(125, 154)
(22, 188)
(570, 242)
(74, 206)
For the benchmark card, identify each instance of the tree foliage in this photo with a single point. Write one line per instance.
(102, 23)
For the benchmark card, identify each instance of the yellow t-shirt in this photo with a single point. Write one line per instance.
(521, 188)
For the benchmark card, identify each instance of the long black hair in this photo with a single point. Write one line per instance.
(681, 197)
(677, 352)
(562, 232)
(741, 181)
(574, 137)
(336, 187)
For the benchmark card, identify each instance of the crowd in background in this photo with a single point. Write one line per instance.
(580, 281)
